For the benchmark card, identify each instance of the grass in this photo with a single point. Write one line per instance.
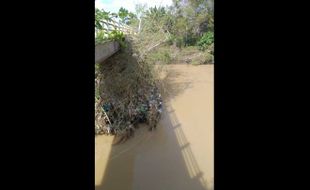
(203, 58)
(169, 54)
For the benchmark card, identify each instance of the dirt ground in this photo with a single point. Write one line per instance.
(178, 155)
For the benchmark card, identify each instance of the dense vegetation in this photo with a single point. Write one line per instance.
(185, 23)
(106, 28)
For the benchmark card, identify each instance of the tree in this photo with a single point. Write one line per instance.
(125, 16)
(140, 11)
(193, 18)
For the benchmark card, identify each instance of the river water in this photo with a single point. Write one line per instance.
(178, 155)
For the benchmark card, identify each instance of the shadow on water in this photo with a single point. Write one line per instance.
(162, 162)
(165, 161)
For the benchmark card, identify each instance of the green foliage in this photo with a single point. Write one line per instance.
(126, 16)
(179, 42)
(102, 34)
(186, 23)
(114, 35)
(118, 36)
(156, 20)
(211, 49)
(182, 23)
(190, 40)
(101, 37)
(206, 40)
(100, 16)
(208, 58)
(123, 13)
(202, 58)
(171, 40)
(159, 56)
(166, 58)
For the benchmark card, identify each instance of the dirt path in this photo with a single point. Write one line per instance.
(179, 154)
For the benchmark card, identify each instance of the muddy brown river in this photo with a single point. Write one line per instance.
(178, 155)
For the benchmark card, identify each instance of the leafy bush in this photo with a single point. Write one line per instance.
(190, 40)
(179, 42)
(115, 35)
(202, 58)
(211, 49)
(166, 58)
(206, 40)
(208, 58)
(101, 37)
(171, 40)
(161, 55)
(102, 32)
(118, 36)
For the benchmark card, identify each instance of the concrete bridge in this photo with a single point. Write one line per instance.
(105, 50)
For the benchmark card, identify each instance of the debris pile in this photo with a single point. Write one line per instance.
(113, 117)
(126, 94)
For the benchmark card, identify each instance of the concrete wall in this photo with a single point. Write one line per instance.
(105, 50)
